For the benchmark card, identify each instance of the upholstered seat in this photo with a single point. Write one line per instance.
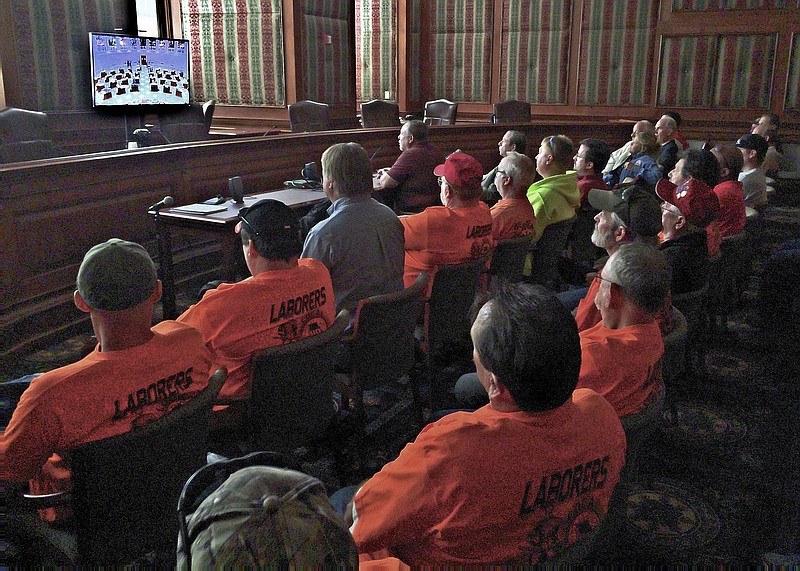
(440, 112)
(25, 136)
(511, 111)
(307, 116)
(380, 113)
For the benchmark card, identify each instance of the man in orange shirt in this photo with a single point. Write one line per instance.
(619, 355)
(490, 485)
(512, 216)
(286, 299)
(459, 231)
(135, 374)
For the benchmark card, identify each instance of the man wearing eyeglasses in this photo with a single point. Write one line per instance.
(619, 354)
(512, 216)
(511, 141)
(459, 231)
(285, 300)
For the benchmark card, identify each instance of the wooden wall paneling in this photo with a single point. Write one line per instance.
(792, 100)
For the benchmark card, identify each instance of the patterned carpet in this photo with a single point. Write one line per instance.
(718, 483)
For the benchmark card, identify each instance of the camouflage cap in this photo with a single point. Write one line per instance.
(264, 515)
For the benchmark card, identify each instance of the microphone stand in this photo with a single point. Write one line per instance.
(164, 240)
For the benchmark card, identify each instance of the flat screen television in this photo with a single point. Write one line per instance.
(134, 70)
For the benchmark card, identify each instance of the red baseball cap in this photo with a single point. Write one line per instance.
(461, 170)
(694, 198)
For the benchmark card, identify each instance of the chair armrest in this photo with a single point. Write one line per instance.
(42, 501)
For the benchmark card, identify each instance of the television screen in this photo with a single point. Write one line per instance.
(132, 70)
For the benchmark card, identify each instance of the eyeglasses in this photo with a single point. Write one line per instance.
(504, 173)
(550, 144)
(599, 279)
(250, 230)
(443, 180)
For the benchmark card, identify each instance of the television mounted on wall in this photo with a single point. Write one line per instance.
(136, 70)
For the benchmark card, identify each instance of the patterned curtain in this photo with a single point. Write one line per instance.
(463, 50)
(744, 71)
(616, 53)
(793, 88)
(327, 62)
(715, 5)
(687, 71)
(535, 51)
(376, 49)
(236, 50)
(52, 42)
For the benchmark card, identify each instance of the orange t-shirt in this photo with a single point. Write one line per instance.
(492, 486)
(440, 235)
(620, 364)
(272, 308)
(102, 395)
(512, 218)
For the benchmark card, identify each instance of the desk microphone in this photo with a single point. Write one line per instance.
(166, 202)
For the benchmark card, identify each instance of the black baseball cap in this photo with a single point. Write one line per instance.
(269, 219)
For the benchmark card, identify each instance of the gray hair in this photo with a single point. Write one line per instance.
(642, 273)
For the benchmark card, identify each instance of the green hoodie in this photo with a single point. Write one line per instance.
(554, 199)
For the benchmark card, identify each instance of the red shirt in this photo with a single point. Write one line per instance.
(732, 215)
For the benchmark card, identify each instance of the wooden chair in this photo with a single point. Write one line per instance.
(308, 116)
(546, 252)
(446, 324)
(125, 488)
(380, 113)
(440, 112)
(508, 259)
(292, 400)
(511, 111)
(381, 345)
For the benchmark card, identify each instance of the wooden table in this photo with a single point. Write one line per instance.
(220, 225)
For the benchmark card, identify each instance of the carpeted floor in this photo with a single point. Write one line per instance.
(718, 483)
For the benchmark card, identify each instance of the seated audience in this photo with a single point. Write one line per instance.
(665, 133)
(135, 374)
(361, 242)
(689, 206)
(556, 196)
(511, 141)
(775, 319)
(285, 300)
(627, 214)
(409, 185)
(459, 231)
(619, 355)
(477, 487)
(642, 164)
(619, 157)
(732, 215)
(752, 177)
(513, 216)
(591, 156)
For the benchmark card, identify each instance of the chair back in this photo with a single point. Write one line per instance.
(382, 343)
(440, 112)
(511, 111)
(380, 113)
(25, 136)
(692, 305)
(190, 123)
(547, 251)
(508, 259)
(673, 362)
(308, 116)
(125, 488)
(292, 400)
(452, 293)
